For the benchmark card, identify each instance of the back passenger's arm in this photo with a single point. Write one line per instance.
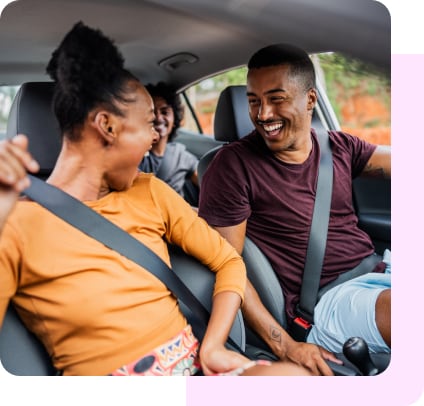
(194, 178)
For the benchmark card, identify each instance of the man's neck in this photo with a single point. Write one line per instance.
(296, 154)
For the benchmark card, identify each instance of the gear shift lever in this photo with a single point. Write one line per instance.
(356, 351)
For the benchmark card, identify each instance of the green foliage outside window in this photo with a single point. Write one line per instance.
(346, 78)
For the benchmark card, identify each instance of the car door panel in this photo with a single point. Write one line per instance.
(372, 200)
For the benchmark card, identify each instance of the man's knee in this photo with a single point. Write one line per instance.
(383, 308)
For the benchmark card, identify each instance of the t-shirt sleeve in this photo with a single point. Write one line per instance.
(190, 162)
(359, 150)
(224, 193)
(187, 230)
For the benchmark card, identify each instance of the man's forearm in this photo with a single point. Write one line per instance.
(263, 323)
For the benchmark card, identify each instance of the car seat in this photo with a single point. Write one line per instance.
(31, 114)
(232, 122)
(20, 351)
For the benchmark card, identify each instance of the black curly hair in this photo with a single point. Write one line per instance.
(300, 64)
(88, 70)
(173, 99)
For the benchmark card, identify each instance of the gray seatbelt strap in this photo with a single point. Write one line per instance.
(319, 230)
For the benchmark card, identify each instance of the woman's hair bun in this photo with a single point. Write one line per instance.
(84, 59)
(88, 70)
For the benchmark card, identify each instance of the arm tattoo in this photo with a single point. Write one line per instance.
(374, 172)
(275, 334)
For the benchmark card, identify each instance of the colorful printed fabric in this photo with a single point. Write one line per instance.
(176, 357)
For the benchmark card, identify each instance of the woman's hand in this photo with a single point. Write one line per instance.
(214, 357)
(15, 161)
(216, 360)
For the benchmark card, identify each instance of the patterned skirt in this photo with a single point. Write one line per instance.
(177, 357)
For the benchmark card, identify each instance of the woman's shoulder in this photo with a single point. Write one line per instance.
(148, 184)
(143, 182)
(28, 218)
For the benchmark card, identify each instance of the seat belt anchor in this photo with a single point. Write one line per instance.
(301, 325)
(300, 329)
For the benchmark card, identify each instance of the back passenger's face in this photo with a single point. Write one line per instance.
(279, 107)
(164, 121)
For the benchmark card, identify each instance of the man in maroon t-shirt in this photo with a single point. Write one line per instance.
(270, 196)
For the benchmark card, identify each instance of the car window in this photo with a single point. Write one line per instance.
(7, 94)
(203, 97)
(358, 93)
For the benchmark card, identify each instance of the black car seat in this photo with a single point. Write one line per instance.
(232, 122)
(31, 114)
(20, 351)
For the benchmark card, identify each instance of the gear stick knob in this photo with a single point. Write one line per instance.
(356, 351)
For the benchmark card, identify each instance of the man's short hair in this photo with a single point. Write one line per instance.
(296, 58)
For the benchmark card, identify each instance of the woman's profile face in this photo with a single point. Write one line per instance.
(164, 117)
(135, 136)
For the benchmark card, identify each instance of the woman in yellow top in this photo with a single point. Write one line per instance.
(96, 312)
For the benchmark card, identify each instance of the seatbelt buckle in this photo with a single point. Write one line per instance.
(302, 324)
(300, 329)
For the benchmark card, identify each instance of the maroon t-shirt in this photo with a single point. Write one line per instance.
(246, 181)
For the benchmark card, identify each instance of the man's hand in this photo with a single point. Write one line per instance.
(310, 356)
(15, 161)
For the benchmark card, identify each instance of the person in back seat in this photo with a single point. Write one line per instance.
(97, 312)
(263, 186)
(168, 160)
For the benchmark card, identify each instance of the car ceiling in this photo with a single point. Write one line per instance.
(221, 33)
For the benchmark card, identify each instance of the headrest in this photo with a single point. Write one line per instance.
(232, 120)
(32, 114)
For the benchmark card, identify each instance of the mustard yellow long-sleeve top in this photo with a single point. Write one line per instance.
(93, 309)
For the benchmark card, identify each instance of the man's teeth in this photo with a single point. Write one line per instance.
(272, 127)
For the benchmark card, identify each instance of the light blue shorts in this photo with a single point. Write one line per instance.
(348, 310)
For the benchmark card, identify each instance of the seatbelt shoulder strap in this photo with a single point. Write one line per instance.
(318, 232)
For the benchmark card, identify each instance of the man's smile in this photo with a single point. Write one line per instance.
(272, 129)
